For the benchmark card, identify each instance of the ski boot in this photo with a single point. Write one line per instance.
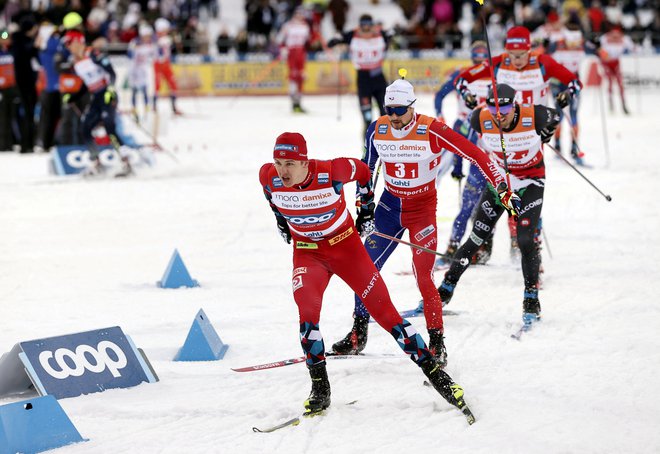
(577, 154)
(319, 397)
(482, 256)
(298, 109)
(450, 391)
(445, 261)
(531, 306)
(356, 340)
(446, 291)
(437, 347)
(95, 169)
(126, 168)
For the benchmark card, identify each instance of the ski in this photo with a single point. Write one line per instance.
(465, 410)
(293, 421)
(525, 327)
(301, 359)
(411, 313)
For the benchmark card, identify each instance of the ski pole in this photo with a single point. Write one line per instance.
(460, 193)
(601, 103)
(155, 141)
(547, 243)
(607, 197)
(498, 117)
(421, 248)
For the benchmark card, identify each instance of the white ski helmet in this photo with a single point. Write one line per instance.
(162, 25)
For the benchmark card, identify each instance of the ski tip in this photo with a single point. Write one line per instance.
(469, 416)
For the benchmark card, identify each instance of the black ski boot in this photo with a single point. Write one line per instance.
(446, 291)
(437, 347)
(442, 382)
(531, 306)
(319, 397)
(356, 340)
(297, 108)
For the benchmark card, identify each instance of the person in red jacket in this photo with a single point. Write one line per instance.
(529, 74)
(308, 201)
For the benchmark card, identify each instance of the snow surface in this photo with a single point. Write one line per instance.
(80, 255)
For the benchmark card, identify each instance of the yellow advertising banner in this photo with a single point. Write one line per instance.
(321, 77)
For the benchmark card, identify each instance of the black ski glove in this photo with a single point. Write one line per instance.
(547, 133)
(283, 227)
(564, 98)
(365, 222)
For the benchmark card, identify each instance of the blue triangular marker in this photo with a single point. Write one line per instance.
(177, 275)
(202, 343)
(35, 425)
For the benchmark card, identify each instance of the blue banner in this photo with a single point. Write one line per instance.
(83, 363)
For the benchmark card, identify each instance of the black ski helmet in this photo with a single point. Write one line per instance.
(505, 95)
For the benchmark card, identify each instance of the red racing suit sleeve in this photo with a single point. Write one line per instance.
(345, 170)
(556, 70)
(476, 72)
(442, 136)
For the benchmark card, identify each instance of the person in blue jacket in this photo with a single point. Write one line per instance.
(50, 99)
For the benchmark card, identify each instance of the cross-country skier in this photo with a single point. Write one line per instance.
(307, 199)
(141, 53)
(162, 64)
(98, 75)
(409, 146)
(611, 46)
(367, 45)
(525, 127)
(293, 38)
(475, 181)
(529, 74)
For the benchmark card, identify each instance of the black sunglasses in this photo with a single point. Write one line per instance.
(398, 110)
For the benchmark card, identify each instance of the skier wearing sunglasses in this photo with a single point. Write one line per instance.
(408, 145)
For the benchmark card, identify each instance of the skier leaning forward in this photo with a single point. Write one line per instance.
(409, 146)
(307, 199)
(525, 127)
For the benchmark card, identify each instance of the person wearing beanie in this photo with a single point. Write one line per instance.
(293, 39)
(306, 195)
(529, 73)
(367, 45)
(567, 47)
(141, 54)
(475, 181)
(525, 128)
(611, 46)
(163, 64)
(98, 76)
(50, 99)
(409, 147)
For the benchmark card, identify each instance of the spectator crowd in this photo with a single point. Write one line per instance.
(27, 28)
